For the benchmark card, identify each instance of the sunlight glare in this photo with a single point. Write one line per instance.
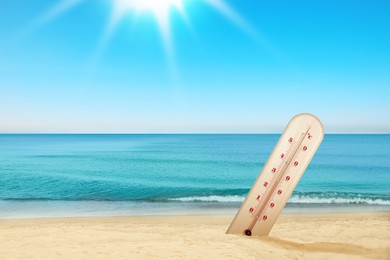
(161, 11)
(159, 8)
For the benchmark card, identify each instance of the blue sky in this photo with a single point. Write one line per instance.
(243, 66)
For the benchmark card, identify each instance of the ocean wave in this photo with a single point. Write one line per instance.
(302, 199)
(307, 198)
(212, 198)
(295, 199)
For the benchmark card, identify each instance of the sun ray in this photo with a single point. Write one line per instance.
(53, 12)
(57, 10)
(161, 11)
(234, 17)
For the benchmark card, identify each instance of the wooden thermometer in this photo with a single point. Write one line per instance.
(281, 173)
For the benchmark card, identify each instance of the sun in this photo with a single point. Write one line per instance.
(160, 10)
(158, 7)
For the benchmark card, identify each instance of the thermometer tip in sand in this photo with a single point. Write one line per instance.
(279, 176)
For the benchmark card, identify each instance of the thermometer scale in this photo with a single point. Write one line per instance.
(281, 173)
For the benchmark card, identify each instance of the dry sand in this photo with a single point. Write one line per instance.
(294, 236)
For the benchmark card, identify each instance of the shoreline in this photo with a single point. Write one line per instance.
(13, 209)
(282, 215)
(364, 235)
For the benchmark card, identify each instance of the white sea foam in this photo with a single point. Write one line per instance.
(337, 200)
(294, 199)
(213, 198)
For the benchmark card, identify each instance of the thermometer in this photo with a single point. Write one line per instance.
(279, 176)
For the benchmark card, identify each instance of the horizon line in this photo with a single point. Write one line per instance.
(179, 133)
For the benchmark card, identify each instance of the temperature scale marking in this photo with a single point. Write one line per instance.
(279, 176)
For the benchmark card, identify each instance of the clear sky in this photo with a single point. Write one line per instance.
(193, 66)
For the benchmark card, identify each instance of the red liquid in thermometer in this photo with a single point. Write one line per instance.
(281, 173)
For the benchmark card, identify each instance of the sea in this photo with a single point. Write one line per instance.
(63, 175)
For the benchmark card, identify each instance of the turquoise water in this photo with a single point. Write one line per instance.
(52, 175)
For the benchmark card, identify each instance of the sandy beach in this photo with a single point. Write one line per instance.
(294, 236)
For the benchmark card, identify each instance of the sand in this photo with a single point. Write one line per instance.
(294, 236)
